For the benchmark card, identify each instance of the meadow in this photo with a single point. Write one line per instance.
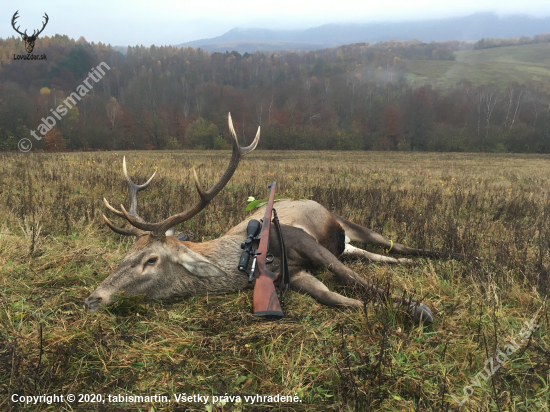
(522, 64)
(55, 250)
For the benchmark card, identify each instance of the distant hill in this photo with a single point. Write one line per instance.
(470, 28)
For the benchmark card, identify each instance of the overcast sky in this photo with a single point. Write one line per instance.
(159, 22)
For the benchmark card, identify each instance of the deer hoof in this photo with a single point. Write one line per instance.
(183, 237)
(421, 312)
(91, 304)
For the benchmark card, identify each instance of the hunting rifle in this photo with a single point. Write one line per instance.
(265, 303)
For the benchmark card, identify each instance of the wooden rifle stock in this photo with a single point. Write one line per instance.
(265, 302)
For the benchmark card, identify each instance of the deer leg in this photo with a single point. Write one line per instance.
(318, 255)
(307, 283)
(360, 253)
(361, 234)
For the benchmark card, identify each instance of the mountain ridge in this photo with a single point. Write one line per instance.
(468, 28)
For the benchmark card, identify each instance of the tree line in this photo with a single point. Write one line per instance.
(353, 97)
(490, 42)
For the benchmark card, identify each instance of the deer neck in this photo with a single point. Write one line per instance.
(218, 264)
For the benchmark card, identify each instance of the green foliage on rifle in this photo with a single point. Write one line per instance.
(253, 202)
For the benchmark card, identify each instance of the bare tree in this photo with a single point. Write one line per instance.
(484, 100)
(520, 97)
(113, 111)
(489, 103)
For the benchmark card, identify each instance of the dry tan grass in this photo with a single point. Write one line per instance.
(494, 207)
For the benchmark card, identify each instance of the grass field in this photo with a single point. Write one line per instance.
(55, 250)
(521, 64)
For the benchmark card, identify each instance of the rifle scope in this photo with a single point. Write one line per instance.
(252, 230)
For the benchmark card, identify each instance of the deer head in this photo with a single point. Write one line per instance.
(29, 40)
(159, 265)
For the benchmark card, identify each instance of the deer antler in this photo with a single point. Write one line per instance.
(133, 189)
(160, 228)
(43, 26)
(15, 17)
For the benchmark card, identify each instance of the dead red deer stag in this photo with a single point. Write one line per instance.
(161, 266)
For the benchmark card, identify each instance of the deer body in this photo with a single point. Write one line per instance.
(161, 266)
(211, 267)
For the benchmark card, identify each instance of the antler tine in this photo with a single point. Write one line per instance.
(132, 215)
(15, 17)
(136, 221)
(236, 156)
(125, 232)
(133, 188)
(139, 187)
(248, 149)
(44, 25)
(202, 194)
(112, 209)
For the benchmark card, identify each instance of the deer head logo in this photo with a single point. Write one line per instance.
(29, 40)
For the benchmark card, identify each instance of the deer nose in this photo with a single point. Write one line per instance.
(91, 304)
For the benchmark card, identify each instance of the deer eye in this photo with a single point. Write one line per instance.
(152, 261)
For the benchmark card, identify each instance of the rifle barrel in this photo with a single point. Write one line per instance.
(265, 302)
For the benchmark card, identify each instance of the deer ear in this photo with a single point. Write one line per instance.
(204, 269)
(170, 232)
(198, 265)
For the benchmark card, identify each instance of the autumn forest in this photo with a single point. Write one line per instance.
(355, 97)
